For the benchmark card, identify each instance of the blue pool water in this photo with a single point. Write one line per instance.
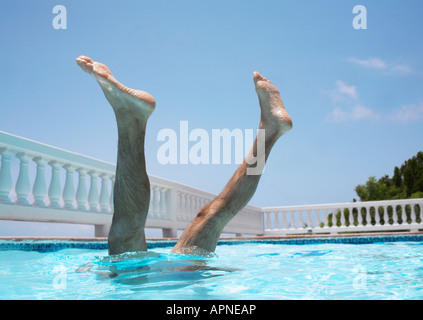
(250, 270)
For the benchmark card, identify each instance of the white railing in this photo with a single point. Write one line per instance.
(31, 176)
(31, 189)
(345, 217)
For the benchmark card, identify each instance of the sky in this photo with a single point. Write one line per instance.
(355, 95)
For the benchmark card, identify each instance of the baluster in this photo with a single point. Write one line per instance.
(377, 216)
(403, 215)
(300, 220)
(276, 223)
(317, 218)
(179, 201)
(268, 221)
(163, 207)
(352, 219)
(192, 205)
(40, 188)
(69, 189)
(395, 215)
(5, 175)
(367, 216)
(359, 217)
(197, 205)
(55, 188)
(325, 218)
(93, 193)
(155, 201)
(188, 207)
(104, 193)
(182, 210)
(205, 202)
(81, 192)
(112, 190)
(22, 185)
(342, 218)
(309, 222)
(292, 222)
(284, 220)
(200, 204)
(385, 217)
(335, 218)
(413, 213)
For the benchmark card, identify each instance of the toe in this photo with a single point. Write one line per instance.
(257, 77)
(85, 63)
(85, 59)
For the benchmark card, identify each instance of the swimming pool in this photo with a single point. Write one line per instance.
(327, 268)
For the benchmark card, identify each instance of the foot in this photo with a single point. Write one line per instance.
(125, 101)
(274, 118)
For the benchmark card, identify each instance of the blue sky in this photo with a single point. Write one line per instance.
(355, 96)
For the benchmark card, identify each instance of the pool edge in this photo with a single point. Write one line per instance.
(302, 236)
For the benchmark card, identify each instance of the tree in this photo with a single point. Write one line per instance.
(407, 182)
(396, 179)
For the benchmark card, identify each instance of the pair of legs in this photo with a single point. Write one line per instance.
(132, 109)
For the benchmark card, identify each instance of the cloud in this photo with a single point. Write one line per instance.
(403, 115)
(377, 63)
(345, 90)
(374, 63)
(355, 113)
(407, 114)
(343, 93)
(402, 69)
(348, 107)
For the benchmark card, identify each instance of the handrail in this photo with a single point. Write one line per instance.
(86, 197)
(87, 193)
(387, 215)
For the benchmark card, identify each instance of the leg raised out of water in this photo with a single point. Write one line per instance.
(202, 235)
(132, 109)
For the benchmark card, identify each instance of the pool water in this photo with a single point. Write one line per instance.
(389, 270)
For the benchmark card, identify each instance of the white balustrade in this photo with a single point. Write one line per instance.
(389, 215)
(172, 205)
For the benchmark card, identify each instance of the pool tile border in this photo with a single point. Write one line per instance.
(336, 239)
(56, 244)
